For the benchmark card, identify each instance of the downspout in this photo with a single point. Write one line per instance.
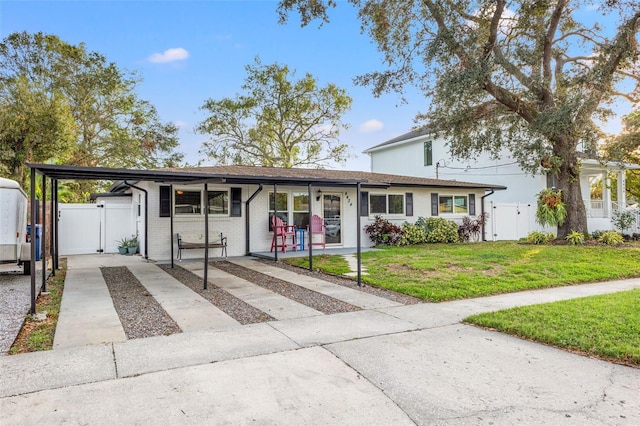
(484, 238)
(247, 219)
(146, 217)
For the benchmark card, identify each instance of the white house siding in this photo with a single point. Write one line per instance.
(234, 227)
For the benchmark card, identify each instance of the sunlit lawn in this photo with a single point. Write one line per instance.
(439, 272)
(606, 326)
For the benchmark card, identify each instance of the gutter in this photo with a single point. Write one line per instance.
(484, 238)
(146, 216)
(246, 213)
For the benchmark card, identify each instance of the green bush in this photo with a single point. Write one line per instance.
(438, 230)
(575, 238)
(412, 234)
(623, 219)
(596, 234)
(537, 237)
(612, 238)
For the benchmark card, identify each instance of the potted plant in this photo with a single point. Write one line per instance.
(123, 245)
(132, 248)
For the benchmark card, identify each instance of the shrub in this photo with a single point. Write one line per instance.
(611, 238)
(537, 237)
(551, 209)
(623, 219)
(596, 234)
(412, 234)
(383, 232)
(438, 230)
(575, 238)
(471, 228)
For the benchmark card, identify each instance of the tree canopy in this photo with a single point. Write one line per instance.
(525, 76)
(80, 109)
(277, 121)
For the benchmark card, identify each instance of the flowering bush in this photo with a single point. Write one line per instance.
(412, 234)
(383, 232)
(438, 230)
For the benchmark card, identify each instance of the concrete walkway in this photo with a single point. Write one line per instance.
(392, 365)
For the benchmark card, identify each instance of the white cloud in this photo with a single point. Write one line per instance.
(169, 55)
(371, 126)
(181, 124)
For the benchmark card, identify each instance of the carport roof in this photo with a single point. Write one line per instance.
(253, 175)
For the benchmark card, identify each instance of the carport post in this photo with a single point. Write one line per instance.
(54, 225)
(309, 236)
(44, 233)
(171, 220)
(33, 244)
(206, 234)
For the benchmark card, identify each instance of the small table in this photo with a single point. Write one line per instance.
(300, 233)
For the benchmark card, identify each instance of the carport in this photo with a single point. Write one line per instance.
(130, 177)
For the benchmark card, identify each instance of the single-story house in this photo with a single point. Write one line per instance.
(422, 153)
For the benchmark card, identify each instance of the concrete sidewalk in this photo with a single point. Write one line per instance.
(391, 365)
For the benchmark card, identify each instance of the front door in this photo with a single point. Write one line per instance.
(332, 214)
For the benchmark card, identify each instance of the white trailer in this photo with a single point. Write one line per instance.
(13, 220)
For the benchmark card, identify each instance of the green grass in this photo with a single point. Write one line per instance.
(336, 265)
(440, 272)
(606, 326)
(38, 335)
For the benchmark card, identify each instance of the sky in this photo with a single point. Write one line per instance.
(189, 51)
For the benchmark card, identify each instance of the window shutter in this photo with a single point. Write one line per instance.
(434, 204)
(408, 199)
(364, 204)
(236, 202)
(165, 201)
(472, 204)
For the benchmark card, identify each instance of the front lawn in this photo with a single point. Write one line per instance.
(440, 272)
(606, 326)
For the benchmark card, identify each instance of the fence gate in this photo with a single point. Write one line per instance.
(511, 221)
(93, 228)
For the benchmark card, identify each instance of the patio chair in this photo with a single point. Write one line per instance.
(317, 227)
(284, 236)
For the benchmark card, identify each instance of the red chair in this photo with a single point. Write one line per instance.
(284, 236)
(317, 227)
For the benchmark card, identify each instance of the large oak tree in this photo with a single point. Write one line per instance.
(527, 76)
(277, 121)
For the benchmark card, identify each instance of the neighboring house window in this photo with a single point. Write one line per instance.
(219, 202)
(453, 204)
(386, 204)
(300, 209)
(428, 153)
(187, 202)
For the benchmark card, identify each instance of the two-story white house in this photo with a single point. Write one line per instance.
(512, 212)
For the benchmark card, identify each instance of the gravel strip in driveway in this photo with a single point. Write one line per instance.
(140, 313)
(15, 301)
(226, 302)
(312, 299)
(346, 282)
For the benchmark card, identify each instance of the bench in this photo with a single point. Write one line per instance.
(185, 245)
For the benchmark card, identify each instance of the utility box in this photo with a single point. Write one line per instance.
(13, 220)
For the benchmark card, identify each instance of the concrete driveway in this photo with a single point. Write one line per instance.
(389, 365)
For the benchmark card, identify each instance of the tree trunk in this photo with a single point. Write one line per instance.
(569, 183)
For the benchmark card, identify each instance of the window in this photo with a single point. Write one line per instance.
(300, 209)
(428, 153)
(386, 204)
(453, 204)
(283, 207)
(219, 202)
(187, 202)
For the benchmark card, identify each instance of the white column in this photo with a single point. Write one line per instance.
(622, 189)
(606, 195)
